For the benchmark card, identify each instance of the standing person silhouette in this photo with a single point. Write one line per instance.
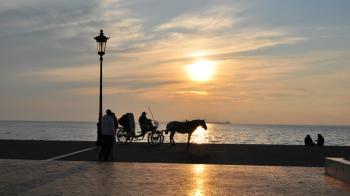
(108, 135)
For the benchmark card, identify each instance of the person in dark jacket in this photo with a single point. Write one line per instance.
(108, 135)
(145, 123)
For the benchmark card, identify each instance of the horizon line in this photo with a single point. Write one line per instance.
(210, 122)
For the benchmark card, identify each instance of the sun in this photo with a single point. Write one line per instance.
(201, 70)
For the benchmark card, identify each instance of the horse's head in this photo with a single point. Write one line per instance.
(203, 124)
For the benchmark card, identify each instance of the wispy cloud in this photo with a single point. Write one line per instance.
(206, 20)
(192, 92)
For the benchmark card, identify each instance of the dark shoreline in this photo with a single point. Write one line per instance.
(228, 154)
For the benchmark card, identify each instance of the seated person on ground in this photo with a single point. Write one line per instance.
(145, 123)
(308, 141)
(320, 140)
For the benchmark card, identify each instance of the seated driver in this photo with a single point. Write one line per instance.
(145, 123)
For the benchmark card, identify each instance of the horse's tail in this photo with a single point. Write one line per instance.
(166, 131)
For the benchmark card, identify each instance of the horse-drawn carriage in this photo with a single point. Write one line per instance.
(127, 132)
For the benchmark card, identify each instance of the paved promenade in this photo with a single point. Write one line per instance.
(269, 155)
(71, 168)
(38, 177)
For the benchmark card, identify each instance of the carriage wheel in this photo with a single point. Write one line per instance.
(122, 137)
(155, 138)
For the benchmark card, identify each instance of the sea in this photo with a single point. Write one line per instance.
(217, 133)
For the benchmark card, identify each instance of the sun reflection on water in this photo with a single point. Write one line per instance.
(199, 136)
(198, 168)
(199, 177)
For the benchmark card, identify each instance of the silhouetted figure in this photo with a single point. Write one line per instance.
(145, 123)
(308, 141)
(108, 135)
(320, 140)
(127, 121)
(116, 125)
(184, 127)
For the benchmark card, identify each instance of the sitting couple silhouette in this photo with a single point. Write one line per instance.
(309, 142)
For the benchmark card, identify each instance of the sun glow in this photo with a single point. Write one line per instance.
(198, 136)
(201, 70)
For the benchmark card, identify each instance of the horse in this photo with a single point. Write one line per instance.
(184, 127)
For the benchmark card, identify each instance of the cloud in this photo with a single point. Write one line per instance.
(66, 74)
(141, 83)
(50, 33)
(186, 46)
(47, 15)
(84, 80)
(151, 63)
(200, 23)
(92, 91)
(192, 92)
(49, 50)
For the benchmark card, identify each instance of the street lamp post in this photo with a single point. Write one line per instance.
(101, 48)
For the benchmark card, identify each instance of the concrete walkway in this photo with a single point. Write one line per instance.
(40, 177)
(235, 154)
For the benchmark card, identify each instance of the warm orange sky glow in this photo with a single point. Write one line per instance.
(231, 60)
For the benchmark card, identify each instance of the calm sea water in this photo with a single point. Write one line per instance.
(216, 133)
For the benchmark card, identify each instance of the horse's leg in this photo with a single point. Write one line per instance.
(172, 141)
(188, 140)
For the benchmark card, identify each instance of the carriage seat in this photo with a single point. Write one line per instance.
(127, 121)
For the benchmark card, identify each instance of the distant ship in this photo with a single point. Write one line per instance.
(220, 122)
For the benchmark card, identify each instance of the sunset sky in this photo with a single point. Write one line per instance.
(270, 62)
